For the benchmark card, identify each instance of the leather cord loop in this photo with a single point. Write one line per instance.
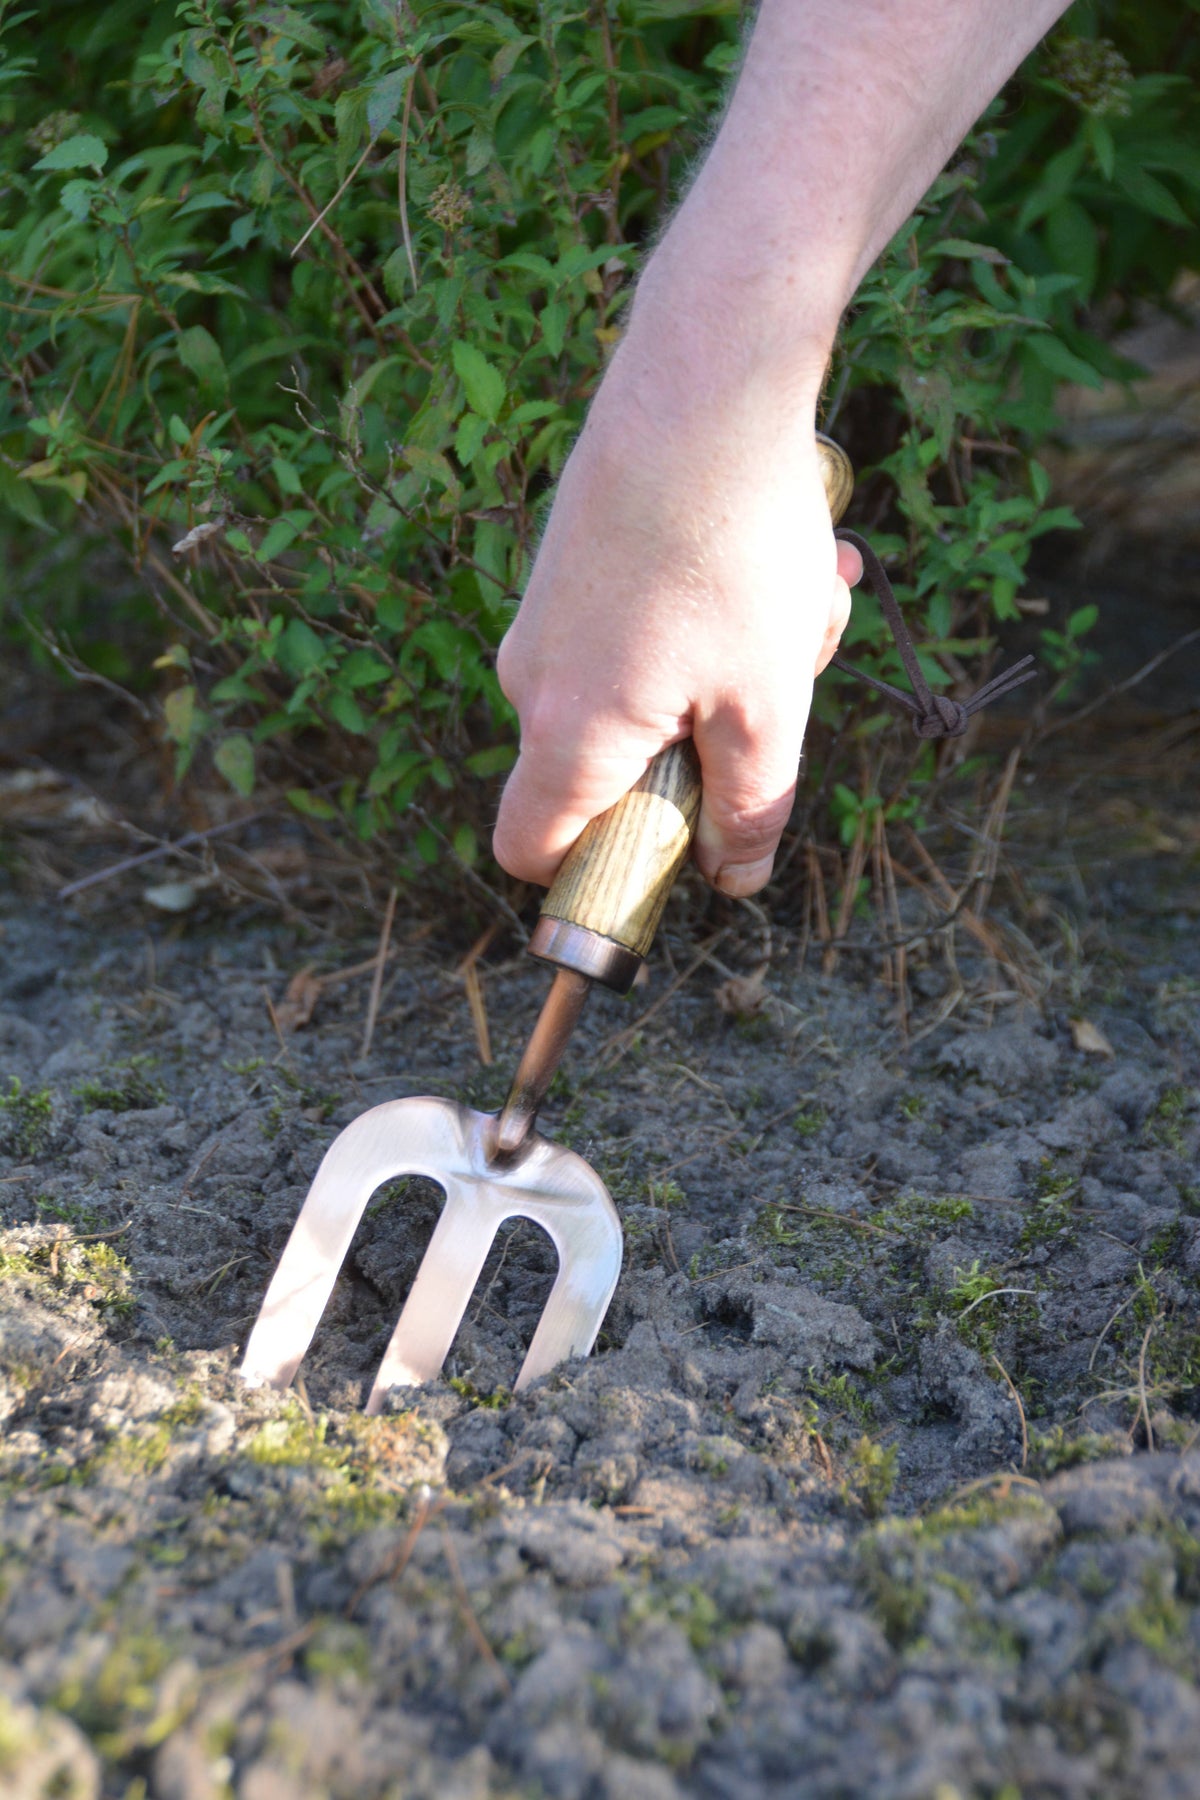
(933, 715)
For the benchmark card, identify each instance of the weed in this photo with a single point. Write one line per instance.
(496, 1401)
(1165, 1123)
(839, 1393)
(809, 1121)
(872, 1475)
(128, 1088)
(1052, 1450)
(1055, 1192)
(25, 1118)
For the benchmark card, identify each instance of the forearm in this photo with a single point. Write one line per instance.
(688, 582)
(844, 112)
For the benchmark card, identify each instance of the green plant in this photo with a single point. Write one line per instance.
(127, 1088)
(25, 1118)
(303, 307)
(871, 1476)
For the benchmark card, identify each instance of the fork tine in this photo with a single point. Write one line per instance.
(549, 1185)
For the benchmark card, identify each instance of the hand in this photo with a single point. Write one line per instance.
(688, 585)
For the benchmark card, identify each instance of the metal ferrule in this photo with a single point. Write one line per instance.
(588, 952)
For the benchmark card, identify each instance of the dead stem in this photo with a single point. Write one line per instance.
(1011, 1386)
(377, 978)
(470, 1619)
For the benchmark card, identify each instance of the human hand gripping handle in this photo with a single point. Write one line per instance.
(607, 898)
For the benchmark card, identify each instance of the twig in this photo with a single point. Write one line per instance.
(1008, 1382)
(993, 1294)
(852, 1224)
(1120, 687)
(468, 1611)
(620, 1041)
(377, 979)
(134, 862)
(1143, 1400)
(394, 1566)
(329, 205)
(1128, 1301)
(284, 1053)
(402, 178)
(479, 1018)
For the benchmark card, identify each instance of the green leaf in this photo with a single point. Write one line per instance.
(76, 199)
(300, 650)
(468, 437)
(1074, 242)
(968, 251)
(497, 759)
(386, 99)
(286, 22)
(1053, 354)
(466, 846)
(199, 352)
(554, 319)
(83, 151)
(1149, 194)
(287, 476)
(181, 713)
(346, 712)
(1100, 139)
(505, 59)
(234, 759)
(279, 536)
(482, 381)
(363, 669)
(480, 150)
(313, 806)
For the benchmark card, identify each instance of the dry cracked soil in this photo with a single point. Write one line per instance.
(884, 1478)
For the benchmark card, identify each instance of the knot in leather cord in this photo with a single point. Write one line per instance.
(950, 720)
(933, 715)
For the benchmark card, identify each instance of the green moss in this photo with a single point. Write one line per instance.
(116, 1701)
(871, 1475)
(80, 1217)
(144, 1453)
(1052, 1450)
(16, 1740)
(1053, 1216)
(839, 1393)
(338, 1648)
(1165, 1124)
(126, 1088)
(809, 1121)
(920, 1214)
(496, 1401)
(92, 1272)
(25, 1118)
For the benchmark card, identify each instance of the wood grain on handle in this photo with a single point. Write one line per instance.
(615, 879)
(616, 876)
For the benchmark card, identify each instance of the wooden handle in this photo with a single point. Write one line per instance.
(603, 910)
(616, 877)
(837, 474)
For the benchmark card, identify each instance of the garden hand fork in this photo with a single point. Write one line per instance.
(596, 924)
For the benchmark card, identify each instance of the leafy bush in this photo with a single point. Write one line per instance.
(317, 297)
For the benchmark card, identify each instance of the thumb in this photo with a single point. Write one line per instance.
(749, 772)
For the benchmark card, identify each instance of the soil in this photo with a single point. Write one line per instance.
(884, 1477)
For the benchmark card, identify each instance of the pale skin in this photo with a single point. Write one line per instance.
(688, 583)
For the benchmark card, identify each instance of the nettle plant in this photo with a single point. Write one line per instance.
(303, 306)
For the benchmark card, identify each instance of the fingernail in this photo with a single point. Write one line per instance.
(739, 879)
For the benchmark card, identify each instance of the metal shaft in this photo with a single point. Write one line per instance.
(535, 1072)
